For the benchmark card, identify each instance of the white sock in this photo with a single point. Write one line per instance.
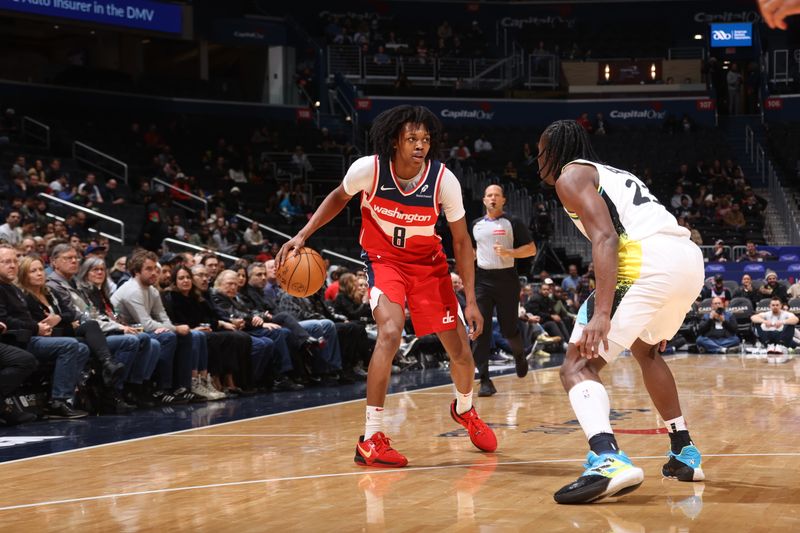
(463, 402)
(589, 400)
(374, 421)
(676, 424)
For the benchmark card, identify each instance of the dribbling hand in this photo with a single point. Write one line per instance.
(293, 244)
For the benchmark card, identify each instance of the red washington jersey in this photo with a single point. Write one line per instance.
(398, 216)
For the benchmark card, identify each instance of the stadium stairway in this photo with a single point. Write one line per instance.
(734, 127)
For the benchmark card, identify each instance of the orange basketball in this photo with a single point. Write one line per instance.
(302, 273)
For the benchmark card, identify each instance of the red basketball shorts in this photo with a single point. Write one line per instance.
(426, 288)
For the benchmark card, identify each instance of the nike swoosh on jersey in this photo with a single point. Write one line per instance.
(385, 188)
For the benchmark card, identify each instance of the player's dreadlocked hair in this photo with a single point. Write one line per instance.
(566, 141)
(387, 127)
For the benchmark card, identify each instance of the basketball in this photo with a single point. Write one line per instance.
(302, 273)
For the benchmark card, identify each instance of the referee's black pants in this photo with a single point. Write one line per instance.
(15, 366)
(496, 290)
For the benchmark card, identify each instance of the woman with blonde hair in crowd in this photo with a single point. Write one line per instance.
(43, 303)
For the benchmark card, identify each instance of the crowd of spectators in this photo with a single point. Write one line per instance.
(421, 44)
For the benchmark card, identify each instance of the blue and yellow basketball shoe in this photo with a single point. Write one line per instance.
(607, 474)
(684, 466)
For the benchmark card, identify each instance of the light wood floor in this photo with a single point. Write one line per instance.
(294, 472)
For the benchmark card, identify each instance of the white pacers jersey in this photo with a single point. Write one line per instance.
(635, 212)
(659, 272)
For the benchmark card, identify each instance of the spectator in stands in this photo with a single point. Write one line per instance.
(716, 290)
(381, 57)
(300, 162)
(119, 270)
(685, 209)
(44, 302)
(256, 301)
(600, 125)
(571, 282)
(734, 83)
(677, 198)
(352, 301)
(94, 287)
(775, 327)
(542, 306)
(718, 254)
(70, 356)
(15, 366)
(90, 189)
(112, 194)
(10, 232)
(510, 171)
(584, 121)
(483, 148)
(751, 208)
(227, 348)
(268, 337)
(747, 290)
(794, 290)
(253, 237)
(734, 218)
(586, 285)
(528, 161)
(716, 332)
(312, 321)
(753, 254)
(138, 302)
(564, 306)
(291, 208)
(334, 273)
(772, 289)
(212, 265)
(460, 152)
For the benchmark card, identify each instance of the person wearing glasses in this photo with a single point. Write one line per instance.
(69, 355)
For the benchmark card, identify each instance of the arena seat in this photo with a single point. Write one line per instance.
(762, 305)
(742, 309)
(704, 307)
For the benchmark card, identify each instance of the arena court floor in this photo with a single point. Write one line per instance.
(293, 471)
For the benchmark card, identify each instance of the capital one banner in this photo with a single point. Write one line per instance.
(540, 113)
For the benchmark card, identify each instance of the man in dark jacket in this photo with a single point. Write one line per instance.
(717, 331)
(229, 308)
(542, 306)
(70, 355)
(15, 366)
(254, 299)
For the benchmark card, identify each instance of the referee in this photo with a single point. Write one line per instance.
(498, 240)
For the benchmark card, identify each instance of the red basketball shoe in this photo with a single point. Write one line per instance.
(480, 434)
(376, 452)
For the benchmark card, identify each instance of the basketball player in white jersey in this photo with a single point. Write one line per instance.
(648, 274)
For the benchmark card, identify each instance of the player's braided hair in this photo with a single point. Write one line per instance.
(566, 141)
(387, 127)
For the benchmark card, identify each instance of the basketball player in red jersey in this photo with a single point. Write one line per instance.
(403, 190)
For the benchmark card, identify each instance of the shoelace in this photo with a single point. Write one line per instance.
(478, 424)
(382, 444)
